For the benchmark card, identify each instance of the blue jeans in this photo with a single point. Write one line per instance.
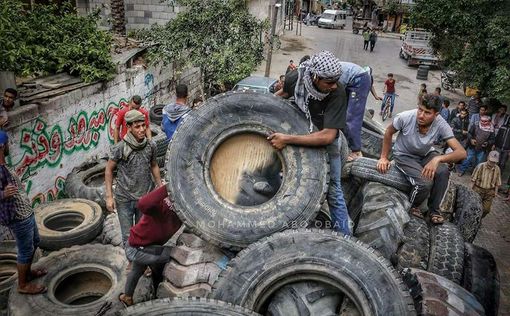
(27, 238)
(478, 155)
(386, 96)
(336, 201)
(128, 216)
(357, 93)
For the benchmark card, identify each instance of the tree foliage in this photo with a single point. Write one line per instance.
(473, 38)
(50, 39)
(219, 36)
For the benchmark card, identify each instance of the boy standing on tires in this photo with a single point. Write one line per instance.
(416, 157)
(135, 160)
(17, 214)
(486, 179)
(320, 96)
(121, 128)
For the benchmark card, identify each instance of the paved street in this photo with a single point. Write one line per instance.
(494, 234)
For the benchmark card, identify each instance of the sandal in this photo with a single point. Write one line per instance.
(437, 219)
(125, 301)
(32, 289)
(416, 212)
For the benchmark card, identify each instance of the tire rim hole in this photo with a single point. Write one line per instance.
(82, 287)
(64, 221)
(246, 170)
(95, 180)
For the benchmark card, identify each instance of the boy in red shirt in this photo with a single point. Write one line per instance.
(389, 92)
(120, 124)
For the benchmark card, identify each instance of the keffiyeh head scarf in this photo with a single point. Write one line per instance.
(485, 124)
(325, 66)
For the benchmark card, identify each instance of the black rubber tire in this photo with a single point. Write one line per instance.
(435, 295)
(344, 149)
(371, 143)
(305, 298)
(156, 114)
(186, 306)
(68, 222)
(383, 216)
(87, 182)
(8, 271)
(111, 233)
(323, 256)
(299, 197)
(365, 168)
(481, 277)
(159, 137)
(446, 252)
(468, 212)
(371, 125)
(104, 262)
(414, 252)
(353, 197)
(323, 219)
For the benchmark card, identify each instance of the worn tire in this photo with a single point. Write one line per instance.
(156, 114)
(383, 216)
(435, 295)
(186, 306)
(481, 278)
(365, 168)
(323, 256)
(305, 170)
(68, 222)
(8, 270)
(111, 233)
(87, 182)
(305, 298)
(468, 212)
(446, 252)
(159, 137)
(371, 125)
(371, 143)
(414, 252)
(76, 275)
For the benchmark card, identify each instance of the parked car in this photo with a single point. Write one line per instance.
(257, 84)
(333, 19)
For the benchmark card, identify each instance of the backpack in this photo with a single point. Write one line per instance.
(503, 136)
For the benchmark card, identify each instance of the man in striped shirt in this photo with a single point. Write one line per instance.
(486, 180)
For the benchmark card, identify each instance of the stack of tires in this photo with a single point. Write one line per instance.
(244, 248)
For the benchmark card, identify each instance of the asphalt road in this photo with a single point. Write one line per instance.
(349, 47)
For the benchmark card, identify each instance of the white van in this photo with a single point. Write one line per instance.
(333, 19)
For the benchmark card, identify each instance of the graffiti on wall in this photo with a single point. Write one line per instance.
(44, 146)
(56, 192)
(149, 87)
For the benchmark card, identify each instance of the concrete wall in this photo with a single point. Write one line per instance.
(47, 140)
(262, 9)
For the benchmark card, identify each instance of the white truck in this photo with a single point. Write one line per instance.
(416, 48)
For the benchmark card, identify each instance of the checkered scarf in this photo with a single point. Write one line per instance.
(325, 66)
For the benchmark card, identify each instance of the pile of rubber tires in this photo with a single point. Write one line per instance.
(257, 241)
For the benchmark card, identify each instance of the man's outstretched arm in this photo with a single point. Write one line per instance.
(321, 138)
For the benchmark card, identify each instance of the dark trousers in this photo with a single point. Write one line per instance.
(372, 44)
(365, 45)
(421, 187)
(140, 259)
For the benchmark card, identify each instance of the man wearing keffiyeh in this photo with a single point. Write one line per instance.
(317, 93)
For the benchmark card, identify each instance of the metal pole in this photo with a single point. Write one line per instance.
(270, 50)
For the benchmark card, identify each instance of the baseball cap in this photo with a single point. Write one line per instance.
(134, 116)
(493, 156)
(4, 138)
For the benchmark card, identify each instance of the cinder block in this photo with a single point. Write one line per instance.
(167, 289)
(191, 240)
(182, 276)
(188, 256)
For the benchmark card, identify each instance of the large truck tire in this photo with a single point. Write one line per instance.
(414, 252)
(68, 222)
(372, 125)
(435, 295)
(87, 182)
(384, 213)
(186, 306)
(446, 252)
(159, 137)
(468, 212)
(361, 274)
(8, 269)
(111, 233)
(481, 277)
(365, 168)
(218, 154)
(371, 143)
(81, 280)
